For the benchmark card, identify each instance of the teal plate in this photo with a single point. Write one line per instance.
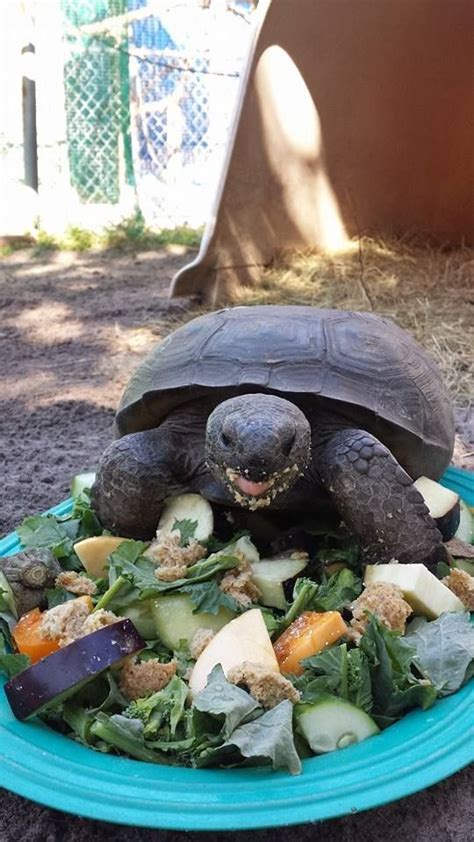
(420, 750)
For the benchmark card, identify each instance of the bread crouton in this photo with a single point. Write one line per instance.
(171, 559)
(268, 688)
(386, 602)
(142, 678)
(461, 584)
(75, 583)
(238, 583)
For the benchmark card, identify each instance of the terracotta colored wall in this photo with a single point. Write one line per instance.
(358, 116)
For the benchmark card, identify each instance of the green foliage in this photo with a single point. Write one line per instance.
(395, 687)
(131, 234)
(338, 670)
(10, 664)
(78, 239)
(444, 650)
(162, 709)
(186, 529)
(45, 242)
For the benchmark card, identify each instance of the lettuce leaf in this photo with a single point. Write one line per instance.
(444, 650)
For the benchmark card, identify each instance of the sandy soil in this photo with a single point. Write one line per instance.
(72, 329)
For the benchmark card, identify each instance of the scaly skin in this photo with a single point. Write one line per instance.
(367, 486)
(134, 476)
(377, 500)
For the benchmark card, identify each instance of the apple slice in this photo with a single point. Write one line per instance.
(443, 505)
(421, 589)
(244, 639)
(94, 552)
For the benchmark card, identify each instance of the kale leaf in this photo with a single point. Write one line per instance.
(444, 650)
(339, 670)
(395, 687)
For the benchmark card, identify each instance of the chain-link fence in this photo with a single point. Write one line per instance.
(148, 92)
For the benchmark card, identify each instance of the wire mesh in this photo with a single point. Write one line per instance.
(150, 89)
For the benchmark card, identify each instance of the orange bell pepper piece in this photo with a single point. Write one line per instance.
(28, 638)
(309, 634)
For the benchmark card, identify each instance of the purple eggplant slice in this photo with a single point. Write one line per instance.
(59, 675)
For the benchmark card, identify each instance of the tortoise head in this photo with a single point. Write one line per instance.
(257, 445)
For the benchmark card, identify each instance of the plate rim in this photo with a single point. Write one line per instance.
(226, 805)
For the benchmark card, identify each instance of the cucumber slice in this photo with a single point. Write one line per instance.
(331, 723)
(8, 595)
(80, 482)
(142, 617)
(174, 619)
(270, 574)
(465, 530)
(191, 507)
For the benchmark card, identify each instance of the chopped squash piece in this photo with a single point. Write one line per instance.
(309, 634)
(29, 639)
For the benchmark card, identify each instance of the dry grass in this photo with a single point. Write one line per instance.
(428, 291)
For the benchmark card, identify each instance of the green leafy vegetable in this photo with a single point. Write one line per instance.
(140, 571)
(304, 594)
(208, 597)
(338, 670)
(47, 531)
(270, 737)
(444, 650)
(226, 701)
(349, 555)
(337, 591)
(395, 688)
(166, 707)
(332, 594)
(79, 721)
(83, 511)
(10, 664)
(56, 596)
(126, 735)
(186, 529)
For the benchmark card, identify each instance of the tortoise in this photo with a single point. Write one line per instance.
(287, 408)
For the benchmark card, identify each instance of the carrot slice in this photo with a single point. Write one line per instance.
(28, 638)
(309, 634)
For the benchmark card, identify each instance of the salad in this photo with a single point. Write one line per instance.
(213, 647)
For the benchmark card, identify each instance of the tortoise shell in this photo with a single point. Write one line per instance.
(360, 359)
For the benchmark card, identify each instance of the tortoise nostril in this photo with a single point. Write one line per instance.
(288, 444)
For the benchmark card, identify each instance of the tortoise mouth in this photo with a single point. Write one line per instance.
(252, 489)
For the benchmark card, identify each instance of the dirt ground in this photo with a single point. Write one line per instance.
(72, 328)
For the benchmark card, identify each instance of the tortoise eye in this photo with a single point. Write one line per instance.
(225, 440)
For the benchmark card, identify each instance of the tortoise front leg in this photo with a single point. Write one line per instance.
(377, 500)
(135, 475)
